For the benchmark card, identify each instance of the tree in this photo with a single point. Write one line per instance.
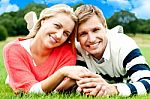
(37, 8)
(10, 25)
(143, 26)
(21, 27)
(122, 18)
(14, 21)
(131, 27)
(3, 33)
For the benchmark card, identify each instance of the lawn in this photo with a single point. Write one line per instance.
(6, 93)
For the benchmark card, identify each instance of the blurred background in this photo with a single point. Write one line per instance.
(133, 15)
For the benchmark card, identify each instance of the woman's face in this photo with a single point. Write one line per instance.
(55, 30)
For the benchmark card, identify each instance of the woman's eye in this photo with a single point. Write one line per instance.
(66, 34)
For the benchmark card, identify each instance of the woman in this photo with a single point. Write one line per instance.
(39, 62)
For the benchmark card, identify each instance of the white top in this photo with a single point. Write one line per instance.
(122, 63)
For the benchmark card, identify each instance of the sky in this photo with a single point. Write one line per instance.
(141, 8)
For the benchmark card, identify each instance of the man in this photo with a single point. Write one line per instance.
(115, 59)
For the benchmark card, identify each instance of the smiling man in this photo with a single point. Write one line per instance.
(114, 58)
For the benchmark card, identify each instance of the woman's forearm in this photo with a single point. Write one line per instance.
(52, 81)
(66, 84)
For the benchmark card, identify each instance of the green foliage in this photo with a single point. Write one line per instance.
(143, 26)
(14, 21)
(130, 23)
(37, 8)
(21, 29)
(10, 25)
(124, 18)
(3, 33)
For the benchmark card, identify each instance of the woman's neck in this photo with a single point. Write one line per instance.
(39, 49)
(39, 53)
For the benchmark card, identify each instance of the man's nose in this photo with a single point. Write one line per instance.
(91, 37)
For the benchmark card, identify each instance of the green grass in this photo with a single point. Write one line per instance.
(144, 43)
(146, 53)
(6, 93)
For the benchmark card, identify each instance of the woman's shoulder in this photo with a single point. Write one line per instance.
(12, 45)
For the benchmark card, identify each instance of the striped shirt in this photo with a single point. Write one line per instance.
(121, 64)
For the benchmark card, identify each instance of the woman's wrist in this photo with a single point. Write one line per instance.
(62, 72)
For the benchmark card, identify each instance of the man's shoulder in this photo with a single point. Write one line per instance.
(117, 29)
(117, 35)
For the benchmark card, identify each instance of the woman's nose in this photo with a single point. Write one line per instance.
(59, 34)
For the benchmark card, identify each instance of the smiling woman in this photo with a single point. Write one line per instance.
(39, 62)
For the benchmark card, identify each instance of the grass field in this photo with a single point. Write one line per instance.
(6, 93)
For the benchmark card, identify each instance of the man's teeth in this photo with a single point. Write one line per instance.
(93, 45)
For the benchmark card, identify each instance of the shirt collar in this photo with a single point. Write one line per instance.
(106, 54)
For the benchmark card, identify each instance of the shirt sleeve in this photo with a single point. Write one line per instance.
(137, 71)
(139, 81)
(18, 69)
(36, 88)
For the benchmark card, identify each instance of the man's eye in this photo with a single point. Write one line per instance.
(82, 34)
(57, 26)
(96, 30)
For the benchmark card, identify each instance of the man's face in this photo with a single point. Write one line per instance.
(92, 36)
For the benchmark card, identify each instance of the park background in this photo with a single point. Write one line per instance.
(133, 15)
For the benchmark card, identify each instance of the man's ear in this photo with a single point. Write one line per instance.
(105, 26)
(31, 19)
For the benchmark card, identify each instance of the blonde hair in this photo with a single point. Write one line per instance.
(84, 12)
(47, 13)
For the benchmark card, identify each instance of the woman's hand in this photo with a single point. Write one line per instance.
(74, 72)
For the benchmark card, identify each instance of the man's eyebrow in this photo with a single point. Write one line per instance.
(81, 32)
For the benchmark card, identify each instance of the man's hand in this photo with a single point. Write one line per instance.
(94, 85)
